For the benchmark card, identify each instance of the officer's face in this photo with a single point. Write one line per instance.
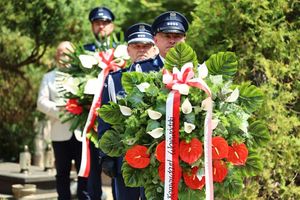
(102, 28)
(165, 41)
(141, 51)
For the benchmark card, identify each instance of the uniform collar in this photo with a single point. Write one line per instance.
(161, 58)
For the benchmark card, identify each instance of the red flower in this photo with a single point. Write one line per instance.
(219, 171)
(238, 154)
(161, 172)
(137, 157)
(190, 152)
(192, 181)
(160, 151)
(219, 148)
(73, 107)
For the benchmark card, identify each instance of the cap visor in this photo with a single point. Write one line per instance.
(141, 40)
(101, 18)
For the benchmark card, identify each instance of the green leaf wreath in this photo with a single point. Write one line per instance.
(138, 124)
(77, 83)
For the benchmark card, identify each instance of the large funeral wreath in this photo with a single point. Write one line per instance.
(138, 127)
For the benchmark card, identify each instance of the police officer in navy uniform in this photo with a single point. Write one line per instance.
(169, 28)
(102, 25)
(101, 19)
(141, 49)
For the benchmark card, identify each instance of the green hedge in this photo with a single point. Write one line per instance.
(265, 36)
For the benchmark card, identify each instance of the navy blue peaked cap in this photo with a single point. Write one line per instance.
(170, 22)
(101, 13)
(140, 32)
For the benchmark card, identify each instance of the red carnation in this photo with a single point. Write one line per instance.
(160, 151)
(192, 181)
(219, 148)
(73, 107)
(190, 152)
(238, 154)
(219, 171)
(161, 172)
(137, 157)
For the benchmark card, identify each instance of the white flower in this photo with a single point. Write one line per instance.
(78, 134)
(88, 61)
(188, 127)
(126, 111)
(102, 65)
(215, 123)
(91, 86)
(244, 126)
(154, 114)
(206, 103)
(182, 88)
(203, 71)
(233, 96)
(186, 107)
(143, 86)
(156, 133)
(121, 52)
(70, 84)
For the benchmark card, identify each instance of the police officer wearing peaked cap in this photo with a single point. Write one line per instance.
(101, 19)
(101, 13)
(102, 26)
(169, 28)
(141, 50)
(140, 42)
(140, 32)
(170, 22)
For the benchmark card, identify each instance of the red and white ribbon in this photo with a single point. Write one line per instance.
(172, 146)
(179, 82)
(108, 64)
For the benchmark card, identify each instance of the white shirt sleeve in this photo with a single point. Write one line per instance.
(45, 101)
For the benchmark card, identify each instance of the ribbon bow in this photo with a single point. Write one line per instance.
(108, 64)
(182, 80)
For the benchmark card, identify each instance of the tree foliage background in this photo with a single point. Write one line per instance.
(264, 34)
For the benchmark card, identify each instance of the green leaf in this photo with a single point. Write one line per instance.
(111, 114)
(251, 97)
(154, 192)
(190, 118)
(135, 97)
(132, 177)
(232, 186)
(253, 165)
(222, 63)
(130, 80)
(260, 133)
(180, 54)
(152, 124)
(152, 90)
(111, 143)
(190, 194)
